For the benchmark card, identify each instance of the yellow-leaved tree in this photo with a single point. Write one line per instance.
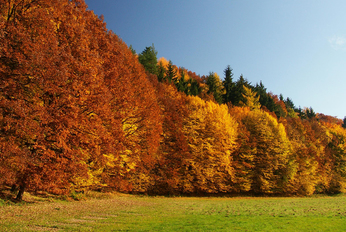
(305, 152)
(271, 159)
(251, 100)
(336, 150)
(244, 154)
(211, 134)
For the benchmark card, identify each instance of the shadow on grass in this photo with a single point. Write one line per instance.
(240, 195)
(8, 196)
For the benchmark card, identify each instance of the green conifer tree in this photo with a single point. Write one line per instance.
(239, 90)
(193, 88)
(161, 72)
(215, 87)
(181, 84)
(148, 58)
(170, 72)
(228, 85)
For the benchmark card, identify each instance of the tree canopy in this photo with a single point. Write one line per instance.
(80, 110)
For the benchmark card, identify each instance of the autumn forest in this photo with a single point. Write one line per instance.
(80, 110)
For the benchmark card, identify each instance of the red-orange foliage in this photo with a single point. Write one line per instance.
(38, 99)
(77, 110)
(195, 76)
(173, 151)
(133, 102)
(329, 119)
(306, 153)
(73, 95)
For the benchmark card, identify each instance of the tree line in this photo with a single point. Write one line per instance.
(79, 110)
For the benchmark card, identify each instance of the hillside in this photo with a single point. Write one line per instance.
(81, 110)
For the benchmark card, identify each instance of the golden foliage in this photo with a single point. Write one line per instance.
(78, 111)
(272, 151)
(211, 134)
(251, 100)
(163, 61)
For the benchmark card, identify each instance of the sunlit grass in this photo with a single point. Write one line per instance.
(134, 213)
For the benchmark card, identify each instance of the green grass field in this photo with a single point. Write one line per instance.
(135, 213)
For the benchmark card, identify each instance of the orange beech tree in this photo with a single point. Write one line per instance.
(134, 104)
(304, 153)
(38, 101)
(319, 138)
(319, 157)
(73, 100)
(173, 151)
(336, 149)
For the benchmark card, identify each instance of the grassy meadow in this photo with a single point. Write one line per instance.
(120, 212)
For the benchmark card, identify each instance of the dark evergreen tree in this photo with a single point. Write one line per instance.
(279, 112)
(310, 113)
(194, 88)
(281, 97)
(238, 92)
(289, 104)
(301, 113)
(228, 85)
(132, 50)
(161, 72)
(291, 109)
(148, 58)
(344, 124)
(181, 84)
(215, 87)
(170, 72)
(265, 99)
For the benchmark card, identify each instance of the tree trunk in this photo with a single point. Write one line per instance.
(14, 188)
(21, 192)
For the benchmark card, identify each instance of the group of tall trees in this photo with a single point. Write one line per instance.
(76, 107)
(80, 110)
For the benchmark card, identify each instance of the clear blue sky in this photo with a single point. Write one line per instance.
(296, 48)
